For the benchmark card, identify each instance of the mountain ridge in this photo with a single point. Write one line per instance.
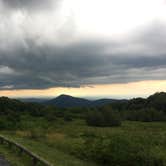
(70, 101)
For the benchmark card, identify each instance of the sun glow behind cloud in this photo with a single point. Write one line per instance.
(112, 18)
(128, 90)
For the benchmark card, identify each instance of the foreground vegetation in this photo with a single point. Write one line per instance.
(126, 134)
(75, 143)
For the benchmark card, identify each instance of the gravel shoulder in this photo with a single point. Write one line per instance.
(3, 162)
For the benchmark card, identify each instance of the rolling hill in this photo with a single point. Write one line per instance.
(70, 101)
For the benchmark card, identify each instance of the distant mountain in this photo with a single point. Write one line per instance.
(70, 101)
(156, 101)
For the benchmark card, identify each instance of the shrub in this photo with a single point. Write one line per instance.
(103, 118)
(120, 150)
(8, 123)
(146, 115)
(36, 133)
(67, 117)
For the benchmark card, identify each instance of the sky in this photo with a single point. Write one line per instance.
(103, 48)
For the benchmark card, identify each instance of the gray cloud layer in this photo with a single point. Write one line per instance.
(28, 4)
(26, 62)
(76, 65)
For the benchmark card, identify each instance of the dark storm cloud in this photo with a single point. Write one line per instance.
(29, 62)
(29, 4)
(42, 67)
(76, 65)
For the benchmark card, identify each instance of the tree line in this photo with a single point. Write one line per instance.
(138, 109)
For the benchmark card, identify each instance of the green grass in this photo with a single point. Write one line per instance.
(61, 142)
(13, 157)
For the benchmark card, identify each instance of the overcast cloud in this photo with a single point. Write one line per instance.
(30, 5)
(45, 49)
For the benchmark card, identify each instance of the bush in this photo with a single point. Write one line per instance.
(146, 115)
(119, 150)
(36, 134)
(9, 123)
(68, 117)
(103, 118)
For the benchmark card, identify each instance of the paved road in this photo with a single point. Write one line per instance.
(3, 162)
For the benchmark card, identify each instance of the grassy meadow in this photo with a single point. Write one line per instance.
(73, 143)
